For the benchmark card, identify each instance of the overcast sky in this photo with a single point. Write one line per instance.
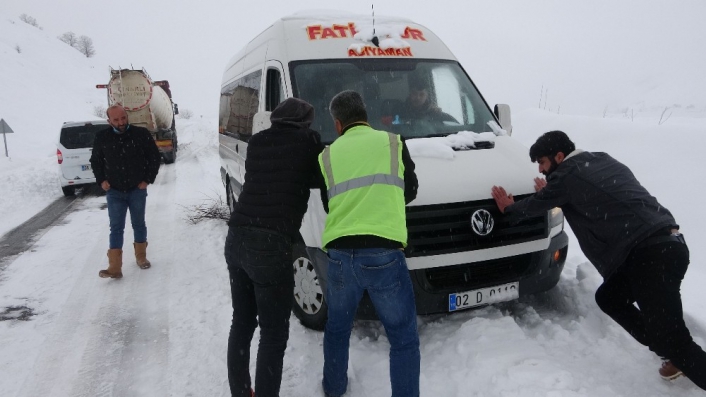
(586, 54)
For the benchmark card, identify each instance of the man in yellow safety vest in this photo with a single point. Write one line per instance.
(369, 177)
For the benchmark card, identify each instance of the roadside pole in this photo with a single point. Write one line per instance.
(5, 129)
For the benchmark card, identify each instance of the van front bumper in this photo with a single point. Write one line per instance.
(535, 272)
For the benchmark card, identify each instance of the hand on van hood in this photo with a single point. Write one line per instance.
(293, 112)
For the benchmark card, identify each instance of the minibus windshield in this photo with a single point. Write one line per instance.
(411, 97)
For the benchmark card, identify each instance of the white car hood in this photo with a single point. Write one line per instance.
(449, 176)
(469, 174)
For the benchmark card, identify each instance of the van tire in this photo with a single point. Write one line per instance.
(68, 190)
(309, 302)
(169, 157)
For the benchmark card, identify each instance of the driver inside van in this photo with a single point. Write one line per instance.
(420, 106)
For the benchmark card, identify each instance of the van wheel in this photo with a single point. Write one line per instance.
(68, 190)
(169, 157)
(309, 303)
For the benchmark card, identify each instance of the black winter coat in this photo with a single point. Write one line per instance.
(126, 159)
(280, 167)
(607, 208)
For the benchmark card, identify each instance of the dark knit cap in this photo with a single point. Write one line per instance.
(293, 112)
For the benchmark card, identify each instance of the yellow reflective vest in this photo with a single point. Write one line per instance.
(364, 177)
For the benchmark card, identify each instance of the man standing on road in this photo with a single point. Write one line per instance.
(280, 170)
(125, 160)
(632, 240)
(369, 177)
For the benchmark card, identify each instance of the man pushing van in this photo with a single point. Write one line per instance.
(369, 177)
(632, 240)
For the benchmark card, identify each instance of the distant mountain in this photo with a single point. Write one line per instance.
(43, 83)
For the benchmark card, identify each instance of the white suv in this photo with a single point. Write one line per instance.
(74, 153)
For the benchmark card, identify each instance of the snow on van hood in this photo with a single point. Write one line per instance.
(443, 147)
(448, 176)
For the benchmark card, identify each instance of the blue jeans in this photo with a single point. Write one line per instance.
(383, 273)
(118, 203)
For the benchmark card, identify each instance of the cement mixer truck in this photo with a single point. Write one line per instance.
(148, 104)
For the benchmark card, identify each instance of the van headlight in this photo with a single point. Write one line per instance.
(556, 221)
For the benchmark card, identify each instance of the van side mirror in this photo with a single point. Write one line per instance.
(502, 112)
(261, 121)
(176, 109)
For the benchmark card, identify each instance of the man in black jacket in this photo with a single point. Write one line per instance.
(280, 168)
(125, 160)
(632, 240)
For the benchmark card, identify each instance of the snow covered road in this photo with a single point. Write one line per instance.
(163, 331)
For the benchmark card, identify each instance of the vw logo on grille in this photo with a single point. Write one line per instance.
(482, 222)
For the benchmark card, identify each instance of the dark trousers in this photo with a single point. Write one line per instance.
(261, 284)
(651, 277)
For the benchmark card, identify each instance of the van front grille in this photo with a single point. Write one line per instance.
(446, 228)
(470, 276)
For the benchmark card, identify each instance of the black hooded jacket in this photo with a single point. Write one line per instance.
(607, 208)
(125, 160)
(280, 167)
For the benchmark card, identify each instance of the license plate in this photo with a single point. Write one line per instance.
(484, 296)
(86, 167)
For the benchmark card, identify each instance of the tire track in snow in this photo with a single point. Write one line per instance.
(73, 329)
(111, 337)
(144, 365)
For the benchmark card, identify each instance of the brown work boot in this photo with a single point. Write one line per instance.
(141, 255)
(669, 371)
(115, 264)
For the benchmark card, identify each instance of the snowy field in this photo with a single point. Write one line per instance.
(163, 332)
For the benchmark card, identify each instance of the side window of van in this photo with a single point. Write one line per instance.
(239, 103)
(273, 89)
